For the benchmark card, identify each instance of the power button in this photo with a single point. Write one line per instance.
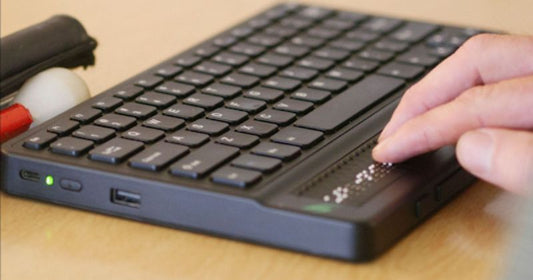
(70, 185)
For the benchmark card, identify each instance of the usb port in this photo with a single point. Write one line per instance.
(30, 175)
(125, 198)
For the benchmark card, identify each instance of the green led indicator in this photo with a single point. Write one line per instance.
(49, 180)
(320, 208)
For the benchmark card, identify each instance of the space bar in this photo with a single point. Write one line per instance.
(349, 103)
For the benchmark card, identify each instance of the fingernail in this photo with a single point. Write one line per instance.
(378, 149)
(476, 149)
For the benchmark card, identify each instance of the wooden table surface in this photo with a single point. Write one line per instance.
(466, 240)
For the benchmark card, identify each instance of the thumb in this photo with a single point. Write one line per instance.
(499, 156)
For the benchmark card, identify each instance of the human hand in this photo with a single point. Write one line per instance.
(481, 98)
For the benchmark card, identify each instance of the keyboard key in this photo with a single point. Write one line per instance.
(347, 45)
(308, 41)
(168, 71)
(260, 129)
(258, 163)
(280, 83)
(331, 53)
(184, 112)
(243, 31)
(115, 150)
(163, 123)
(208, 127)
(200, 162)
(39, 141)
(128, 92)
(176, 89)
(235, 177)
(344, 74)
(296, 22)
(275, 60)
(351, 16)
(148, 81)
(292, 50)
(187, 60)
(381, 24)
(258, 70)
(361, 64)
(280, 31)
(224, 41)
(311, 95)
(413, 32)
(264, 40)
(324, 33)
(362, 36)
(143, 134)
(299, 73)
(327, 84)
(71, 146)
(211, 68)
(279, 151)
(115, 121)
(391, 46)
(228, 116)
(239, 140)
(293, 106)
(350, 103)
(158, 100)
(418, 58)
(157, 156)
(221, 90)
(230, 58)
(240, 80)
(206, 50)
(262, 93)
(63, 127)
(187, 138)
(247, 49)
(94, 133)
(276, 117)
(315, 63)
(339, 24)
(376, 55)
(107, 103)
(314, 13)
(204, 101)
(195, 79)
(303, 138)
(136, 110)
(86, 115)
(246, 104)
(400, 70)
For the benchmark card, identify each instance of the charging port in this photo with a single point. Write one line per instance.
(30, 175)
(125, 198)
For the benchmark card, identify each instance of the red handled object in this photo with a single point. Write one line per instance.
(13, 121)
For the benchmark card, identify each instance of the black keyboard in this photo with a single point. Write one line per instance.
(260, 115)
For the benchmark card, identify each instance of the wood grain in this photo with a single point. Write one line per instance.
(466, 240)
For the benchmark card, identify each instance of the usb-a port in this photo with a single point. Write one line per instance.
(126, 198)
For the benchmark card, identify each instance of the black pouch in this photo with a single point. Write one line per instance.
(60, 41)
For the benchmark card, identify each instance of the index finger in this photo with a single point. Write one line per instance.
(483, 59)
